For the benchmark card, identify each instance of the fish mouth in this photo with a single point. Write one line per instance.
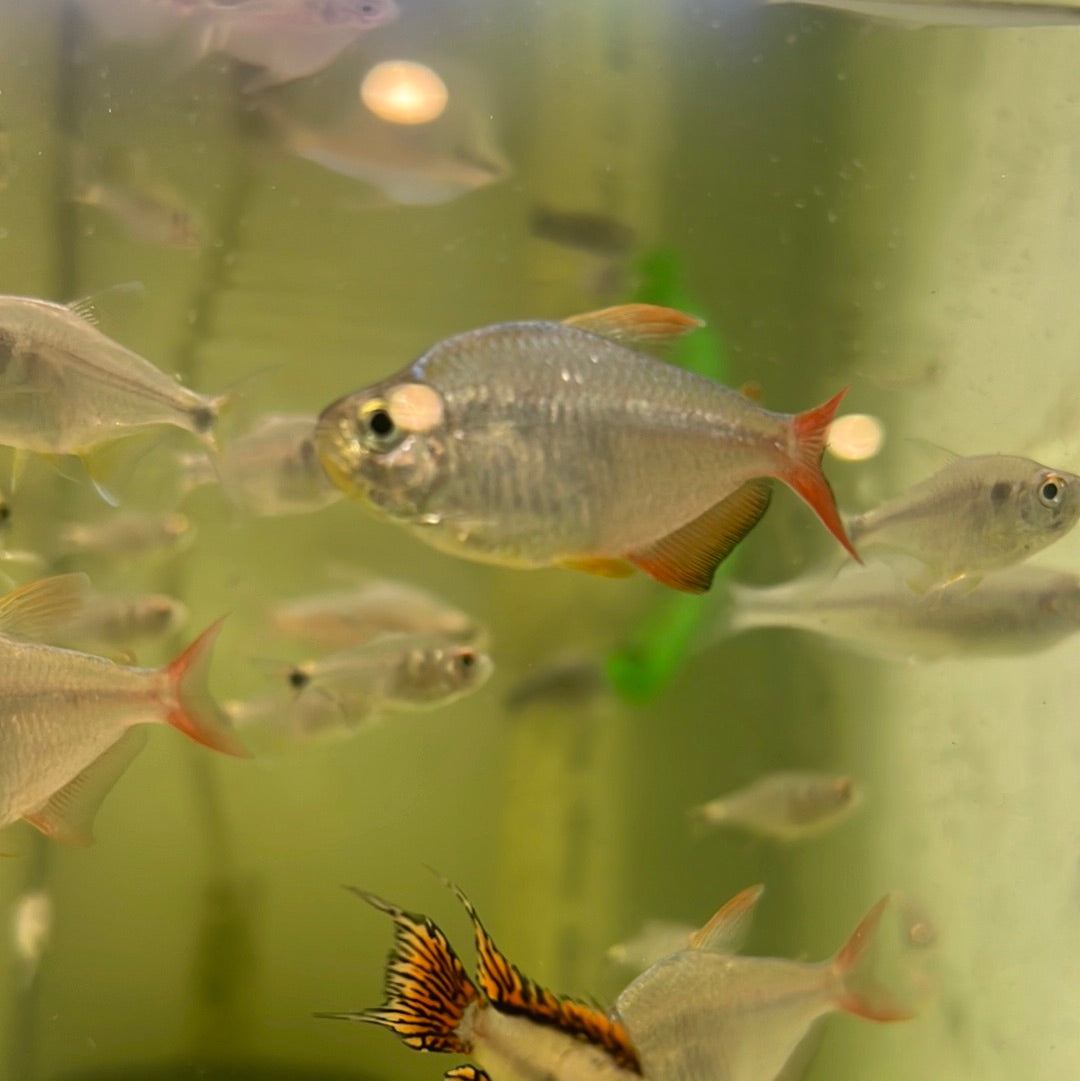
(339, 452)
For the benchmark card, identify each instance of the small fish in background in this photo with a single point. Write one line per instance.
(126, 533)
(538, 444)
(7, 158)
(65, 388)
(573, 681)
(585, 231)
(31, 931)
(976, 515)
(270, 471)
(705, 1012)
(120, 620)
(148, 211)
(385, 606)
(71, 723)
(655, 939)
(789, 805)
(334, 696)
(1016, 611)
(984, 14)
(283, 39)
(511, 1027)
(411, 165)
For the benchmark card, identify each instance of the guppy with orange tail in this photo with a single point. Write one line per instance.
(537, 444)
(510, 1026)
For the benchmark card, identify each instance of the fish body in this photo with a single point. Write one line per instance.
(351, 617)
(655, 940)
(151, 214)
(66, 717)
(535, 444)
(121, 619)
(66, 388)
(978, 514)
(126, 533)
(982, 14)
(271, 470)
(1019, 610)
(788, 805)
(705, 1013)
(582, 230)
(512, 1028)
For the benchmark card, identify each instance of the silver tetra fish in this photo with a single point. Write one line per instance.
(976, 515)
(511, 1027)
(539, 443)
(126, 533)
(71, 723)
(119, 620)
(705, 1013)
(1019, 610)
(788, 805)
(65, 388)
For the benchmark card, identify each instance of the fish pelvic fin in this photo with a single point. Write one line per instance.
(878, 969)
(427, 988)
(647, 325)
(194, 711)
(803, 473)
(512, 992)
(687, 559)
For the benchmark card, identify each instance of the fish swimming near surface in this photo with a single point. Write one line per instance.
(66, 388)
(707, 1014)
(71, 723)
(1015, 611)
(976, 515)
(984, 14)
(509, 1026)
(537, 444)
(351, 617)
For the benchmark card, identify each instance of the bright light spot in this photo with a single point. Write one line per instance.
(403, 92)
(856, 436)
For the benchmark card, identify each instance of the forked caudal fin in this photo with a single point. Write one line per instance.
(512, 992)
(194, 711)
(427, 989)
(810, 431)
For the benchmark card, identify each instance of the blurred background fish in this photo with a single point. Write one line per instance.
(125, 533)
(986, 14)
(655, 940)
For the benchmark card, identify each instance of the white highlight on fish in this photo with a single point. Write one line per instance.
(31, 930)
(856, 437)
(65, 388)
(404, 92)
(788, 805)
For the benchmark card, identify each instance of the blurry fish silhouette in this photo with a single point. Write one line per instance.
(138, 21)
(71, 723)
(705, 1013)
(571, 681)
(656, 939)
(537, 444)
(1019, 610)
(593, 233)
(351, 617)
(271, 470)
(120, 620)
(789, 805)
(976, 515)
(918, 14)
(511, 1027)
(125, 533)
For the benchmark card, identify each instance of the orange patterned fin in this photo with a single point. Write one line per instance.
(466, 1073)
(510, 991)
(427, 989)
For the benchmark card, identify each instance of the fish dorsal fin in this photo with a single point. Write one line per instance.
(727, 930)
(85, 309)
(512, 992)
(427, 988)
(466, 1073)
(41, 607)
(647, 325)
(687, 559)
(68, 816)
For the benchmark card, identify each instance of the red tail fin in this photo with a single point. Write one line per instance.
(804, 473)
(879, 968)
(195, 713)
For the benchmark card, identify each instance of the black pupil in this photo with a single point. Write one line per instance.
(381, 422)
(467, 660)
(1050, 492)
(5, 512)
(298, 677)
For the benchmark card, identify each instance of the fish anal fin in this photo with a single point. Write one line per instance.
(602, 568)
(427, 989)
(466, 1073)
(509, 990)
(44, 606)
(68, 816)
(687, 559)
(648, 325)
(727, 930)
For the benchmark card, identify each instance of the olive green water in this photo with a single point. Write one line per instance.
(845, 203)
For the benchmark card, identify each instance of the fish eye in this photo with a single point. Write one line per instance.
(5, 512)
(467, 660)
(378, 427)
(1051, 490)
(298, 678)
